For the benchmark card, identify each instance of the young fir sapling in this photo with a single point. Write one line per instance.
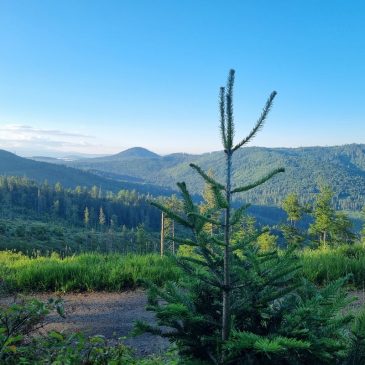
(235, 304)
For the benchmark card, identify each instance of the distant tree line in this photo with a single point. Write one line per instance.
(88, 207)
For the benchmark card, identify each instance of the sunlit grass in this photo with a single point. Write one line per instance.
(116, 272)
(84, 272)
(324, 265)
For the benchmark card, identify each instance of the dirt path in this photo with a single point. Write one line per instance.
(112, 315)
(108, 314)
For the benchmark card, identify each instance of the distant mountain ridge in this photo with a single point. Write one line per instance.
(341, 167)
(69, 177)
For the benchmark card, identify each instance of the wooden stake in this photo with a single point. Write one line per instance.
(162, 234)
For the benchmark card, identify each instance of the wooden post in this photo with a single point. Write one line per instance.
(173, 237)
(162, 233)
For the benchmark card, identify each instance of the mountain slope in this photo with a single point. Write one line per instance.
(13, 165)
(342, 167)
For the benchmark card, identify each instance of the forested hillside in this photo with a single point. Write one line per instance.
(81, 206)
(39, 171)
(341, 167)
(46, 218)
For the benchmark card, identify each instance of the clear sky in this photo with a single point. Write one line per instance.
(103, 76)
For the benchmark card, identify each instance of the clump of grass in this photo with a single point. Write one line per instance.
(327, 264)
(84, 272)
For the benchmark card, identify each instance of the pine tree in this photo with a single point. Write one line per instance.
(86, 217)
(324, 215)
(342, 229)
(94, 192)
(295, 211)
(101, 217)
(293, 208)
(58, 187)
(267, 242)
(329, 225)
(141, 239)
(168, 229)
(235, 304)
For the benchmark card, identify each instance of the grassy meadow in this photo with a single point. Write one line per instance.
(116, 272)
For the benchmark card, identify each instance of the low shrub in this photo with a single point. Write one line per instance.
(20, 344)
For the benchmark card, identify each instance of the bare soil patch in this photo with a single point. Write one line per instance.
(359, 303)
(108, 314)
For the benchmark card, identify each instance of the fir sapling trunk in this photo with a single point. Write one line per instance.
(227, 253)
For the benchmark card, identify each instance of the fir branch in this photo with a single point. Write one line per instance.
(243, 244)
(278, 294)
(206, 177)
(260, 122)
(258, 182)
(141, 327)
(220, 200)
(204, 264)
(237, 215)
(229, 110)
(201, 277)
(283, 272)
(211, 263)
(223, 117)
(172, 215)
(217, 241)
(193, 260)
(182, 241)
(188, 201)
(206, 219)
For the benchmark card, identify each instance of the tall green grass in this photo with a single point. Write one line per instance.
(115, 272)
(327, 264)
(84, 272)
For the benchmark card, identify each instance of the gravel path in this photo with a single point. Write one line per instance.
(108, 314)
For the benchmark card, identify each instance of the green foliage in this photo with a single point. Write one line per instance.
(294, 237)
(267, 242)
(85, 272)
(357, 340)
(17, 321)
(323, 214)
(363, 227)
(323, 265)
(277, 317)
(293, 208)
(331, 227)
(39, 238)
(20, 344)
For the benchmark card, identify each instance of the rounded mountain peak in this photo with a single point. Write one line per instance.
(137, 152)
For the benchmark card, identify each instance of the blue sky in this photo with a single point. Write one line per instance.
(103, 76)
